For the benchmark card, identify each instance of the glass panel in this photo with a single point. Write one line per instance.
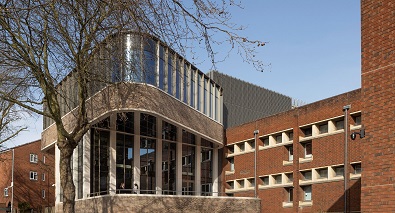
(132, 68)
(307, 193)
(169, 178)
(188, 163)
(147, 164)
(178, 78)
(192, 90)
(149, 61)
(169, 131)
(185, 86)
(124, 163)
(170, 73)
(198, 92)
(206, 171)
(161, 67)
(125, 122)
(99, 160)
(148, 125)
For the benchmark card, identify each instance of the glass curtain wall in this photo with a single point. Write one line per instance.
(188, 163)
(206, 177)
(100, 157)
(169, 151)
(147, 154)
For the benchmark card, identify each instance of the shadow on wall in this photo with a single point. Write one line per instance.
(354, 199)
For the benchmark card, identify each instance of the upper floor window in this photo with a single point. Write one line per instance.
(308, 150)
(357, 168)
(323, 128)
(307, 193)
(33, 175)
(357, 119)
(5, 192)
(232, 164)
(339, 124)
(33, 158)
(307, 131)
(290, 153)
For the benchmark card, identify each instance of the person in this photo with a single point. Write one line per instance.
(122, 188)
(135, 188)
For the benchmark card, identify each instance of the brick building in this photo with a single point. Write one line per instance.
(301, 155)
(33, 177)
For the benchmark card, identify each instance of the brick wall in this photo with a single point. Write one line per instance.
(378, 77)
(155, 203)
(327, 150)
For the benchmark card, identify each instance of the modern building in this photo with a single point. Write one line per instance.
(307, 160)
(27, 178)
(157, 126)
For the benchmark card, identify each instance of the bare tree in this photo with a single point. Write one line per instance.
(44, 40)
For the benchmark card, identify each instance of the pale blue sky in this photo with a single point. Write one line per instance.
(314, 50)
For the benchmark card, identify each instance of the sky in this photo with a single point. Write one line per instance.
(313, 51)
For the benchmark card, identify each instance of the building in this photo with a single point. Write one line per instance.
(33, 175)
(157, 126)
(306, 159)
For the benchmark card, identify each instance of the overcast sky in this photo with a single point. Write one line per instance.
(313, 50)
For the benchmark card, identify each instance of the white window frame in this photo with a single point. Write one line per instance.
(43, 159)
(33, 158)
(43, 193)
(290, 153)
(305, 150)
(5, 192)
(232, 164)
(307, 193)
(33, 175)
(43, 177)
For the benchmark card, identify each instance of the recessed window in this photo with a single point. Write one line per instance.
(308, 150)
(307, 175)
(339, 124)
(43, 177)
(266, 142)
(241, 147)
(265, 180)
(231, 184)
(232, 164)
(5, 192)
(307, 193)
(290, 151)
(339, 171)
(277, 179)
(43, 159)
(307, 131)
(357, 168)
(323, 128)
(279, 139)
(357, 119)
(240, 183)
(231, 149)
(322, 173)
(33, 158)
(290, 192)
(251, 182)
(33, 175)
(290, 136)
(43, 193)
(290, 177)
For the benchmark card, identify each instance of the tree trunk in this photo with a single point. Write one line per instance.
(66, 179)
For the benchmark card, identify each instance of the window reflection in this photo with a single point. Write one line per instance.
(147, 166)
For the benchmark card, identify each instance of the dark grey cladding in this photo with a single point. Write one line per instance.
(245, 102)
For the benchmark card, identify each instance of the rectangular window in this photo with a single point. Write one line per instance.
(33, 175)
(5, 192)
(43, 176)
(43, 193)
(290, 136)
(307, 175)
(308, 150)
(323, 128)
(279, 139)
(265, 180)
(43, 159)
(357, 119)
(277, 179)
(241, 147)
(290, 192)
(290, 153)
(232, 164)
(266, 142)
(231, 184)
(357, 168)
(33, 158)
(307, 193)
(307, 131)
(339, 171)
(322, 173)
(339, 124)
(231, 149)
(206, 155)
(290, 177)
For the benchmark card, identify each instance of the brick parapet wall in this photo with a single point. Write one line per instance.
(158, 203)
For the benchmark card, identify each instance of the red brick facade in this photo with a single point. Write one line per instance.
(25, 189)
(327, 151)
(378, 90)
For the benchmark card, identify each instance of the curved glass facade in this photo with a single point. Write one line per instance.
(149, 155)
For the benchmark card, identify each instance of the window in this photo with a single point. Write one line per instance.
(323, 128)
(357, 168)
(43, 159)
(290, 150)
(290, 136)
(322, 173)
(251, 182)
(308, 150)
(241, 147)
(231, 184)
(165, 166)
(277, 179)
(206, 155)
(5, 192)
(33, 175)
(33, 158)
(307, 131)
(279, 139)
(356, 119)
(265, 180)
(339, 171)
(339, 124)
(43, 193)
(307, 193)
(186, 160)
(43, 176)
(232, 164)
(240, 183)
(306, 175)
(266, 142)
(290, 177)
(231, 149)
(290, 196)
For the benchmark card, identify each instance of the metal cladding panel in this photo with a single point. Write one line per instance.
(245, 102)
